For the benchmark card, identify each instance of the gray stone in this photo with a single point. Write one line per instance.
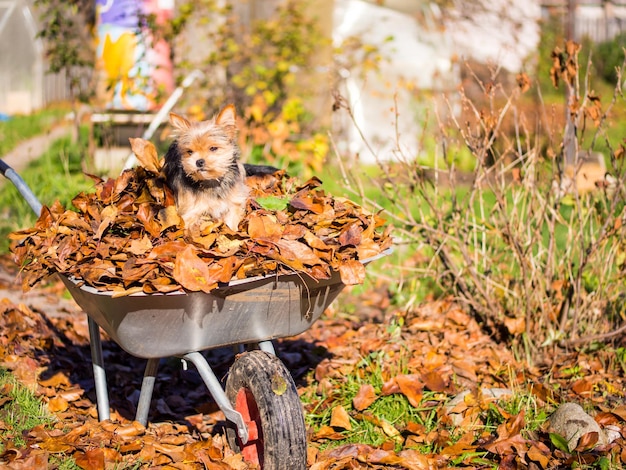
(571, 422)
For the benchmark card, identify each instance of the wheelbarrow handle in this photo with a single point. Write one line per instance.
(102, 394)
(21, 186)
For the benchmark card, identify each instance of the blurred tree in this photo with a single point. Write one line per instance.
(66, 30)
(267, 58)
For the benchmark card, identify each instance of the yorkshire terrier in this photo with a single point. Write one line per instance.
(203, 170)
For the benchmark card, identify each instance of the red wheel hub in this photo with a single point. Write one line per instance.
(245, 404)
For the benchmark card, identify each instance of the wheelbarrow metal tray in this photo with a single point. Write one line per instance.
(243, 311)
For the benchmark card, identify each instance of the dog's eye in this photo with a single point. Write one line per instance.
(213, 149)
(189, 152)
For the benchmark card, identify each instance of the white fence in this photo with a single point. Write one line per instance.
(598, 20)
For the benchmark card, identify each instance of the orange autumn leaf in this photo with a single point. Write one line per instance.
(168, 217)
(541, 456)
(380, 456)
(59, 379)
(92, 459)
(351, 235)
(140, 246)
(411, 387)
(327, 432)
(604, 418)
(368, 248)
(390, 387)
(146, 154)
(433, 381)
(582, 387)
(57, 404)
(587, 441)
(55, 445)
(191, 272)
(364, 397)
(512, 426)
(295, 250)
(72, 395)
(352, 272)
(264, 227)
(505, 446)
(515, 326)
(463, 445)
(339, 418)
(307, 203)
(134, 428)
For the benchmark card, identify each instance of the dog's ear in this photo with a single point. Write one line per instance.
(227, 117)
(179, 123)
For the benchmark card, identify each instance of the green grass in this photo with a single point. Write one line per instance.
(394, 412)
(21, 410)
(20, 128)
(57, 175)
(391, 411)
(63, 463)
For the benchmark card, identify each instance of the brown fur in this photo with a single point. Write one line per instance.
(202, 168)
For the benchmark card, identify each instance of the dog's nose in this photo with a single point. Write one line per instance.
(200, 163)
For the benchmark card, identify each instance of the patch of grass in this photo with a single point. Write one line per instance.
(63, 463)
(381, 421)
(20, 411)
(499, 412)
(57, 175)
(20, 128)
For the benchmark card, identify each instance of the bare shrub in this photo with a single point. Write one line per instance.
(532, 245)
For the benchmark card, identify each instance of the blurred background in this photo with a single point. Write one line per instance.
(284, 64)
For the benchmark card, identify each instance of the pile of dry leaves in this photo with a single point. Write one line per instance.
(127, 236)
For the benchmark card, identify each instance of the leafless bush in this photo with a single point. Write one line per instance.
(532, 243)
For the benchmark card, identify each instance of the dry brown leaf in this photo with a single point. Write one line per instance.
(146, 154)
(339, 418)
(582, 387)
(191, 272)
(434, 381)
(352, 272)
(168, 217)
(351, 235)
(92, 459)
(57, 404)
(364, 397)
(587, 441)
(60, 379)
(295, 250)
(140, 246)
(540, 456)
(515, 326)
(411, 387)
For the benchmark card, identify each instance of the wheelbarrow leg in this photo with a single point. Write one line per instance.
(99, 374)
(147, 387)
(218, 394)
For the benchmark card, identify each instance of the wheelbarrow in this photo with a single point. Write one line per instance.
(264, 414)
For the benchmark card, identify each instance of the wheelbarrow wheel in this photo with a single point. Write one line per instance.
(261, 388)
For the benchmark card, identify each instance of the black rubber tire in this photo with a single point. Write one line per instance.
(269, 388)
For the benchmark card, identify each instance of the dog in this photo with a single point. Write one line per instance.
(202, 168)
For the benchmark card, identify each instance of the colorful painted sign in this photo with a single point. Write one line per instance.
(134, 68)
